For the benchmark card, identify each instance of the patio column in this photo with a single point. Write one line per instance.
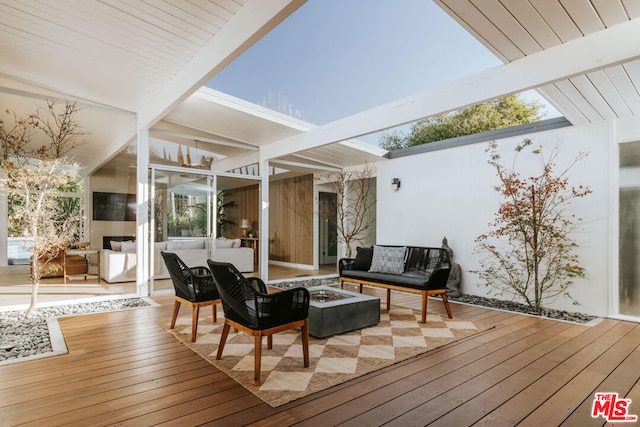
(142, 217)
(4, 232)
(264, 220)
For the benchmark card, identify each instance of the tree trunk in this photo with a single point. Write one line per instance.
(34, 298)
(536, 253)
(35, 282)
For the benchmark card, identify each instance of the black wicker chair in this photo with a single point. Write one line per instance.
(194, 287)
(249, 308)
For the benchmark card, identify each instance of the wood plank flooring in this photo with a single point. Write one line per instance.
(123, 369)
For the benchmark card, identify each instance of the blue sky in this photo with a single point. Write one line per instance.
(334, 58)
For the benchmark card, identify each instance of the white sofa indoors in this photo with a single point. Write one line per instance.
(118, 264)
(231, 251)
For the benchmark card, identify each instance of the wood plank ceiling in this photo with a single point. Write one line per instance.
(122, 52)
(119, 54)
(512, 29)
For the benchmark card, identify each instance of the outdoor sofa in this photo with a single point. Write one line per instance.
(415, 269)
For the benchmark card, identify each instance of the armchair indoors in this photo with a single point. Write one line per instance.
(249, 308)
(193, 286)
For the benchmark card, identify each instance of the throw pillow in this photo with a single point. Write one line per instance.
(116, 246)
(363, 259)
(237, 243)
(223, 243)
(128, 246)
(388, 259)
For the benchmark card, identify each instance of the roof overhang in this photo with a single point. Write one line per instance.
(142, 65)
(517, 30)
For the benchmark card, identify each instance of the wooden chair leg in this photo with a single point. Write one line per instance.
(215, 313)
(445, 300)
(424, 307)
(269, 342)
(174, 316)
(305, 342)
(388, 299)
(257, 357)
(223, 340)
(194, 322)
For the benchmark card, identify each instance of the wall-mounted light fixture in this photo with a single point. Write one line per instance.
(395, 184)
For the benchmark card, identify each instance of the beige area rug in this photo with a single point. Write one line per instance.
(334, 360)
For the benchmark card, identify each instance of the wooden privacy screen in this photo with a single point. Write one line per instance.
(291, 220)
(290, 217)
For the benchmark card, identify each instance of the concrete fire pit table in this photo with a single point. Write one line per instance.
(333, 311)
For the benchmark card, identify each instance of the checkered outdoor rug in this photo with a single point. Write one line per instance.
(333, 360)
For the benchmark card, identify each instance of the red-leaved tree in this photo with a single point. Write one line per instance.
(532, 253)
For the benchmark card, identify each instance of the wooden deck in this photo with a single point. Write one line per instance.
(122, 369)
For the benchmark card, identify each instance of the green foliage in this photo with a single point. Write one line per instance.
(531, 251)
(497, 114)
(223, 202)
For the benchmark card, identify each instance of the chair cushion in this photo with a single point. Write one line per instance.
(388, 259)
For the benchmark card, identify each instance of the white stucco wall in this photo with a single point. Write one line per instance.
(450, 193)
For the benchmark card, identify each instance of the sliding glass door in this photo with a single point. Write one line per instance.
(629, 226)
(191, 207)
(182, 213)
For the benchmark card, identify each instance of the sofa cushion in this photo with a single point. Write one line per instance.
(186, 244)
(363, 259)
(388, 279)
(237, 243)
(388, 259)
(128, 246)
(116, 246)
(224, 243)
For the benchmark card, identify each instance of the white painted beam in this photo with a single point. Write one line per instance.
(287, 163)
(593, 52)
(252, 22)
(125, 135)
(235, 162)
(195, 137)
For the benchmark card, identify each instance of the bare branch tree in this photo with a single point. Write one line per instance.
(354, 212)
(38, 180)
(62, 130)
(15, 134)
